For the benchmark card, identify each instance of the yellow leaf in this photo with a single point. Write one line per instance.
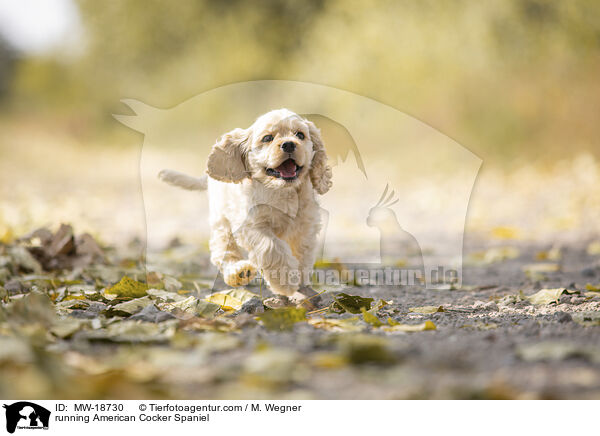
(232, 299)
(362, 349)
(370, 318)
(552, 254)
(427, 309)
(127, 289)
(541, 267)
(7, 235)
(329, 360)
(493, 255)
(339, 325)
(593, 248)
(427, 325)
(283, 318)
(592, 288)
(74, 297)
(225, 301)
(537, 271)
(504, 232)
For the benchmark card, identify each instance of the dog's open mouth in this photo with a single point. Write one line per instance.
(288, 170)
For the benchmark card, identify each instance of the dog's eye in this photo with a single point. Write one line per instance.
(300, 135)
(267, 138)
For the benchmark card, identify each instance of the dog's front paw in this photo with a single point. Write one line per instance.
(239, 273)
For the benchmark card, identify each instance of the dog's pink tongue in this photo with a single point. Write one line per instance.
(287, 169)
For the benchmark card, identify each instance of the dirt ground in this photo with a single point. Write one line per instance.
(66, 332)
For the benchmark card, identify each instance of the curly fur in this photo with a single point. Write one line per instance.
(320, 172)
(274, 221)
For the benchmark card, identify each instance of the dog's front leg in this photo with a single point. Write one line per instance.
(226, 255)
(304, 248)
(272, 256)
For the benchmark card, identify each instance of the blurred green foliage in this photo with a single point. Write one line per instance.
(506, 78)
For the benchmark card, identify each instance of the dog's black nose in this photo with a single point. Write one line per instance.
(288, 147)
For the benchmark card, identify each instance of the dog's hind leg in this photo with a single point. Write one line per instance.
(226, 255)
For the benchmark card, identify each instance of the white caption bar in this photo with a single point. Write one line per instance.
(195, 417)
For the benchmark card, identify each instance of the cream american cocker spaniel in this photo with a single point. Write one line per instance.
(261, 186)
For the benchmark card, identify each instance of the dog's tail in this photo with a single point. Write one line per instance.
(184, 181)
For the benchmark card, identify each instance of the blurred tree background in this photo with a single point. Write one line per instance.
(515, 81)
(507, 78)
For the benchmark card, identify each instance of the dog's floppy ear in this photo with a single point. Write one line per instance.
(226, 161)
(320, 172)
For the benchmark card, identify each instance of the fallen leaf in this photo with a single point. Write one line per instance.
(75, 303)
(364, 349)
(86, 245)
(33, 308)
(350, 303)
(370, 318)
(151, 313)
(24, 259)
(593, 249)
(203, 324)
(62, 242)
(66, 327)
(545, 267)
(338, 325)
(127, 288)
(283, 318)
(426, 309)
(194, 306)
(134, 331)
(160, 294)
(547, 296)
(232, 299)
(130, 307)
(328, 360)
(397, 327)
(592, 288)
(493, 255)
(553, 254)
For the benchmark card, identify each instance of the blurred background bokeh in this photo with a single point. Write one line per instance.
(514, 81)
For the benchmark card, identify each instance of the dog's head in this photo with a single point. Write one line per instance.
(281, 149)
